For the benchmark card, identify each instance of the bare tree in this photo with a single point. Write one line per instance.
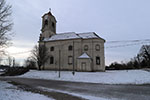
(10, 60)
(5, 25)
(30, 63)
(40, 55)
(144, 55)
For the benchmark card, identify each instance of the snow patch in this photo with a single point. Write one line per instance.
(63, 36)
(87, 35)
(10, 92)
(77, 94)
(72, 35)
(108, 77)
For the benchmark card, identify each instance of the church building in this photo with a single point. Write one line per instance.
(71, 51)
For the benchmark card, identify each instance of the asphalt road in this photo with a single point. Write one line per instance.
(115, 92)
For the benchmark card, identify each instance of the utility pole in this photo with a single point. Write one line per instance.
(73, 60)
(13, 62)
(59, 62)
(92, 64)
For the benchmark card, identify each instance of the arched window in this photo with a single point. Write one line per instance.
(52, 49)
(53, 24)
(97, 47)
(51, 60)
(97, 60)
(70, 48)
(46, 22)
(86, 47)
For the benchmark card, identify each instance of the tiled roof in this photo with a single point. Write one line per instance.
(72, 35)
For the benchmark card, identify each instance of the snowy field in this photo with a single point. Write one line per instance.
(10, 92)
(108, 77)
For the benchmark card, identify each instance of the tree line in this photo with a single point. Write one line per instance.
(141, 60)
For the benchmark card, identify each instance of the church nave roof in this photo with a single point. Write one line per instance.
(72, 35)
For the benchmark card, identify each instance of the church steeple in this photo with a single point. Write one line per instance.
(48, 25)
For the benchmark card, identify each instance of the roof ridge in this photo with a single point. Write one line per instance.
(65, 33)
(85, 32)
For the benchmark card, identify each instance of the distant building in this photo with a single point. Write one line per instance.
(71, 51)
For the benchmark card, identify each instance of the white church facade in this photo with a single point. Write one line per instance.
(71, 51)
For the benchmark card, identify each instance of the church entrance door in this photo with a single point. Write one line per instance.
(83, 65)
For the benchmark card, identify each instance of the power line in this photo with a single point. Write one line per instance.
(116, 46)
(134, 42)
(125, 45)
(125, 41)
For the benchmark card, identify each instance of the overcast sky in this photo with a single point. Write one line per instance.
(113, 20)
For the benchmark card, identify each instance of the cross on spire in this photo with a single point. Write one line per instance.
(50, 9)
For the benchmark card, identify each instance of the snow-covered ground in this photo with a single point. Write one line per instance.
(108, 77)
(85, 96)
(10, 92)
(1, 71)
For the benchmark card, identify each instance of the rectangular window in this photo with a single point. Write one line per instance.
(51, 60)
(97, 60)
(70, 60)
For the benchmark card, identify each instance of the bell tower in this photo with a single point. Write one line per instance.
(48, 25)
